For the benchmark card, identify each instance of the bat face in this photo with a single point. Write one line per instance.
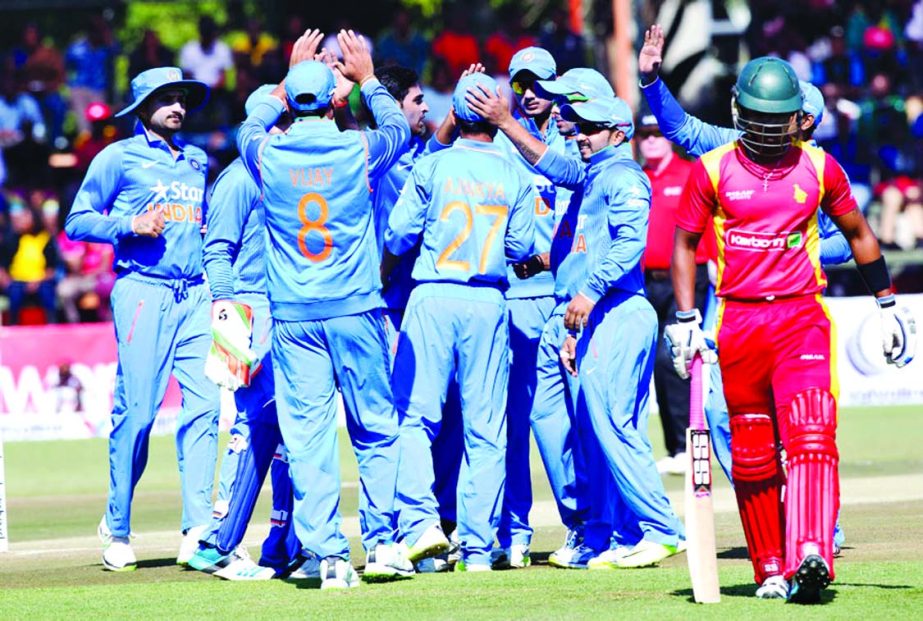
(700, 519)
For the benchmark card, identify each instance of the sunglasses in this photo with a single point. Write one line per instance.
(522, 85)
(588, 129)
(648, 133)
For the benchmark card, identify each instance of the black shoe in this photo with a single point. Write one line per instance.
(812, 577)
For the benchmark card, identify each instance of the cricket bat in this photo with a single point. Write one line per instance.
(700, 513)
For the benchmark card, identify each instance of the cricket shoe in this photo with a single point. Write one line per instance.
(610, 558)
(117, 552)
(839, 538)
(809, 580)
(240, 567)
(304, 569)
(675, 464)
(189, 544)
(387, 561)
(514, 557)
(431, 543)
(463, 565)
(773, 587)
(432, 565)
(454, 553)
(574, 554)
(337, 573)
(647, 554)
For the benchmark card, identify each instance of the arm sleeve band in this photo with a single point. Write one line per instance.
(875, 275)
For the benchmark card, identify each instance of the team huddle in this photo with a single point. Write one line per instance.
(457, 294)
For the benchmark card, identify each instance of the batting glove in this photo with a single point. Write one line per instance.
(231, 362)
(685, 339)
(898, 332)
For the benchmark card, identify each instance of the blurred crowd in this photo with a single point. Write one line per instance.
(57, 100)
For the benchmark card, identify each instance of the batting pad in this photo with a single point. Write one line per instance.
(813, 492)
(758, 481)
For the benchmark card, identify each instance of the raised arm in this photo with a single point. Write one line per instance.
(691, 133)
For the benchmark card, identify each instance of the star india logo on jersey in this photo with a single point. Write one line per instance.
(180, 202)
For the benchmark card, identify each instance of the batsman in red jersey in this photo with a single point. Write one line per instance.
(775, 337)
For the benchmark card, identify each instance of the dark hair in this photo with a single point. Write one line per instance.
(476, 127)
(398, 80)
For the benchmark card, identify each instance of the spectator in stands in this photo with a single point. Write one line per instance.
(455, 44)
(565, 46)
(90, 60)
(88, 278)
(150, 53)
(401, 44)
(294, 28)
(257, 51)
(885, 131)
(438, 94)
(18, 110)
(42, 67)
(506, 41)
(28, 261)
(208, 60)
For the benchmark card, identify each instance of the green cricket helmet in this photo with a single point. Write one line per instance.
(766, 105)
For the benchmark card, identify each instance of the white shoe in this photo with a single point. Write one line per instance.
(432, 565)
(189, 544)
(307, 569)
(117, 552)
(680, 463)
(773, 587)
(432, 542)
(454, 553)
(337, 573)
(514, 557)
(665, 465)
(610, 558)
(574, 554)
(646, 554)
(461, 565)
(241, 567)
(387, 562)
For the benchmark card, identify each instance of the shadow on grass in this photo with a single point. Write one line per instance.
(734, 553)
(748, 591)
(153, 563)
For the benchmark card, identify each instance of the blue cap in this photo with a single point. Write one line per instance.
(309, 86)
(257, 97)
(586, 83)
(536, 60)
(813, 101)
(162, 78)
(466, 84)
(609, 112)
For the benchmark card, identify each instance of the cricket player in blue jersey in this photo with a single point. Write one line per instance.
(404, 85)
(616, 325)
(567, 458)
(324, 288)
(234, 248)
(529, 302)
(145, 195)
(470, 210)
(697, 138)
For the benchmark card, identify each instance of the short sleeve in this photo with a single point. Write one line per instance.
(697, 203)
(838, 199)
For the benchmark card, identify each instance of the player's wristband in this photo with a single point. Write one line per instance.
(688, 316)
(886, 301)
(875, 275)
(337, 105)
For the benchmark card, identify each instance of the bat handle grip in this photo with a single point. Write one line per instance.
(696, 409)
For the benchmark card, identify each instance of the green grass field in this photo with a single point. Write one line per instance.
(56, 494)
